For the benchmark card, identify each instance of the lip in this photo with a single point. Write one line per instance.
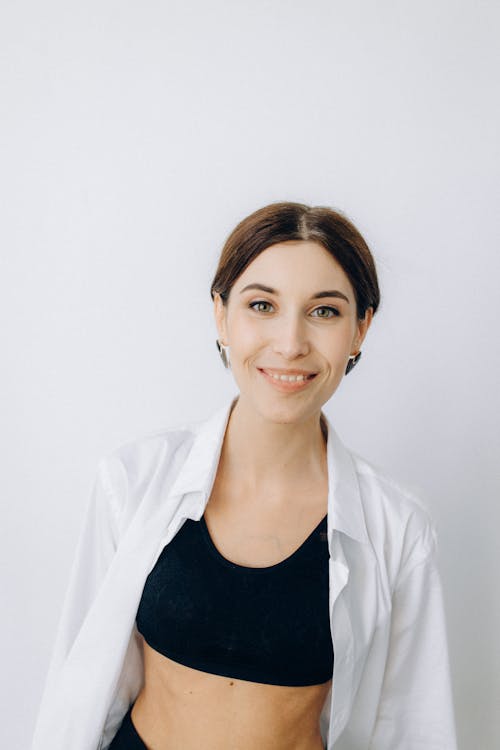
(283, 371)
(283, 385)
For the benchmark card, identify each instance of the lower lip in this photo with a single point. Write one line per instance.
(286, 386)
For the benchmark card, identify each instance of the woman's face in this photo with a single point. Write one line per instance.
(304, 321)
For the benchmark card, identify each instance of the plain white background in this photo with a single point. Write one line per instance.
(135, 135)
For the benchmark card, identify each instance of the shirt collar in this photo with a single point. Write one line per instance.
(197, 475)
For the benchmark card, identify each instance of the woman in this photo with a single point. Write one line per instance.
(247, 581)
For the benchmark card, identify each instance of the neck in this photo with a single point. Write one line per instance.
(267, 457)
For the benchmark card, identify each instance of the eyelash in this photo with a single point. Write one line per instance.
(322, 307)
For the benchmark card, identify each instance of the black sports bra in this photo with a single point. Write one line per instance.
(268, 625)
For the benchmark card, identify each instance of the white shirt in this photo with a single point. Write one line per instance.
(391, 682)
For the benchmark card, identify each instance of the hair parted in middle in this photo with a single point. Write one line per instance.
(285, 221)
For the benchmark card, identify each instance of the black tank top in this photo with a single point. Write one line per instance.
(267, 625)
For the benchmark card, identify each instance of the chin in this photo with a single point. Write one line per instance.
(284, 412)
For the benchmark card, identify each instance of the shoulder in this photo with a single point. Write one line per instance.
(397, 516)
(384, 492)
(132, 466)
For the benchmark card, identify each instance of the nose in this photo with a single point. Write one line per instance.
(290, 338)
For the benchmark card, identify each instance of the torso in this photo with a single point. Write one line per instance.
(230, 712)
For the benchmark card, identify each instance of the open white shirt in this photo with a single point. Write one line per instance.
(391, 683)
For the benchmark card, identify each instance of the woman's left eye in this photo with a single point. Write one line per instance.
(327, 307)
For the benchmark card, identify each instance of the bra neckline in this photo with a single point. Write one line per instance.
(257, 569)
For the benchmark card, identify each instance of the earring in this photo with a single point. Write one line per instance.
(224, 353)
(353, 360)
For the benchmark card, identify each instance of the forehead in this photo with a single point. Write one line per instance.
(295, 265)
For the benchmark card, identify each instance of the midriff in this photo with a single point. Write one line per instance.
(181, 707)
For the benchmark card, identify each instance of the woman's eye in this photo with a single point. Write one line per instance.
(331, 309)
(331, 312)
(258, 302)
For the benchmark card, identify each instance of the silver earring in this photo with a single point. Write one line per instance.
(224, 353)
(353, 360)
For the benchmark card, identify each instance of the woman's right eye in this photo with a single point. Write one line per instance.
(258, 302)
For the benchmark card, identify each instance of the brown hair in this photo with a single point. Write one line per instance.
(279, 222)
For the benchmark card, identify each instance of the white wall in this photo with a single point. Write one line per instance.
(134, 136)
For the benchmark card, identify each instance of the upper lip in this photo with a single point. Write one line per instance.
(281, 371)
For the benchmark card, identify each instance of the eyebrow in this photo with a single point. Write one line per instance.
(318, 295)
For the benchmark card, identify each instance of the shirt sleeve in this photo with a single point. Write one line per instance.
(415, 710)
(94, 551)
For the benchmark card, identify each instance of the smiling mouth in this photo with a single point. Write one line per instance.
(292, 378)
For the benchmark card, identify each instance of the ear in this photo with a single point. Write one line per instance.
(220, 318)
(362, 328)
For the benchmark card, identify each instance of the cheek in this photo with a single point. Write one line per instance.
(334, 344)
(338, 347)
(245, 338)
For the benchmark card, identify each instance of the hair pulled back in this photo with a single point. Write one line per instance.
(284, 221)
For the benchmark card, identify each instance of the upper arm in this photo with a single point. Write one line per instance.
(94, 551)
(415, 710)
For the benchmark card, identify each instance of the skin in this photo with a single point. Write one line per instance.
(269, 493)
(274, 439)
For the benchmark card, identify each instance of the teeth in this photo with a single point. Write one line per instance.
(289, 378)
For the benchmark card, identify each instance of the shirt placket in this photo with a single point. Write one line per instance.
(342, 638)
